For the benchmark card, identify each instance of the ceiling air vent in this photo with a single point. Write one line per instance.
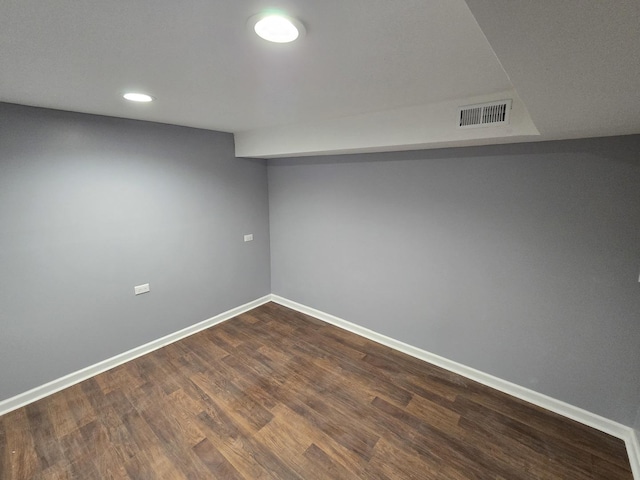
(484, 114)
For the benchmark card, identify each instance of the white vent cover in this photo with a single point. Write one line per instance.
(484, 114)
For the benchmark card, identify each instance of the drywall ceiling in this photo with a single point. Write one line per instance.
(368, 76)
(575, 63)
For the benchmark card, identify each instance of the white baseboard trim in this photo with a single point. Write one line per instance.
(562, 408)
(54, 386)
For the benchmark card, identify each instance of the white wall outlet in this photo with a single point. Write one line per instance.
(248, 238)
(138, 289)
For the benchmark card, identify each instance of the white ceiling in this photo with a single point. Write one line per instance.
(369, 74)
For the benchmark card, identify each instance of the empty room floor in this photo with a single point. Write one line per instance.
(276, 394)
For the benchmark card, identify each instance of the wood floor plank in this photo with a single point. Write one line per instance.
(217, 464)
(175, 438)
(74, 445)
(107, 465)
(61, 418)
(46, 447)
(226, 438)
(287, 439)
(554, 426)
(20, 453)
(324, 466)
(82, 468)
(398, 463)
(327, 417)
(243, 450)
(438, 416)
(446, 443)
(343, 459)
(235, 401)
(524, 458)
(186, 409)
(150, 460)
(58, 472)
(503, 427)
(79, 405)
(120, 443)
(430, 443)
(275, 394)
(604, 470)
(322, 352)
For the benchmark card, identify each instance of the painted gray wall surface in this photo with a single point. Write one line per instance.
(91, 206)
(519, 260)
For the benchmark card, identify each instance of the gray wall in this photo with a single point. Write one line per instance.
(91, 206)
(519, 260)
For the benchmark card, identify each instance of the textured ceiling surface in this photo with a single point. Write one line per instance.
(365, 66)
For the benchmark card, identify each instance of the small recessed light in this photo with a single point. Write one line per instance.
(276, 27)
(138, 97)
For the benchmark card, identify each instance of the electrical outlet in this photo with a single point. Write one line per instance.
(138, 289)
(248, 238)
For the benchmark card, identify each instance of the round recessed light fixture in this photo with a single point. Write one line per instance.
(138, 97)
(276, 27)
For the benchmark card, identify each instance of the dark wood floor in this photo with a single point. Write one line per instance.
(276, 394)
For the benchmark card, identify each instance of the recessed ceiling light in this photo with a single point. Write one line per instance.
(138, 97)
(276, 27)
